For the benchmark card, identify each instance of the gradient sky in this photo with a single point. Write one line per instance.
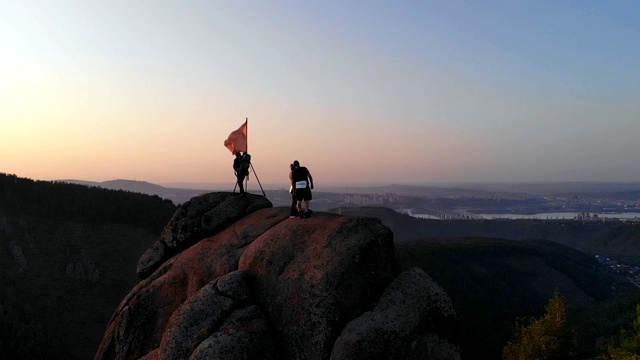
(358, 91)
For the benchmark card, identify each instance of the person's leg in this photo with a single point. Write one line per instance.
(294, 210)
(302, 195)
(240, 183)
(307, 199)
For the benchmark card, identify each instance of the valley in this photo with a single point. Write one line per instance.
(68, 255)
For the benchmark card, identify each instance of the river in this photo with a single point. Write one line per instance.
(561, 215)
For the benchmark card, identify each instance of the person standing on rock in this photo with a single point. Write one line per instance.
(239, 171)
(302, 184)
(294, 202)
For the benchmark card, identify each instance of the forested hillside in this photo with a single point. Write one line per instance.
(67, 257)
(20, 197)
(492, 282)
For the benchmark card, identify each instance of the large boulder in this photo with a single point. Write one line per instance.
(200, 217)
(265, 286)
(314, 275)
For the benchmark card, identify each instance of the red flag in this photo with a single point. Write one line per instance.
(237, 140)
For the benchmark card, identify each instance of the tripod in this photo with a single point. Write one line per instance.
(247, 181)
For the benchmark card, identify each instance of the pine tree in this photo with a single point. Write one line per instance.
(629, 342)
(546, 338)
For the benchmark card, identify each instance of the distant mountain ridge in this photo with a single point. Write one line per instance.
(154, 189)
(549, 188)
(122, 184)
(176, 195)
(421, 191)
(439, 190)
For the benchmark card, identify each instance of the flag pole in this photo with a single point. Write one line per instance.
(246, 183)
(250, 164)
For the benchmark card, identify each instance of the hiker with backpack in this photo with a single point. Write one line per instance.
(302, 183)
(241, 167)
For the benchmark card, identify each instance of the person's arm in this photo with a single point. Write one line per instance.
(310, 179)
(293, 186)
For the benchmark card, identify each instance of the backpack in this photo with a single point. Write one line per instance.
(245, 163)
(237, 164)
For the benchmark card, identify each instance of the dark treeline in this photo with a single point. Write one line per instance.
(63, 201)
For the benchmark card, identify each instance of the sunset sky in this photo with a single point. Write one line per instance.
(358, 91)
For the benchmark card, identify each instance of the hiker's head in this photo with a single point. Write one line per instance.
(238, 154)
(296, 163)
(291, 166)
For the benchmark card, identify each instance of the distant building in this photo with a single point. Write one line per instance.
(585, 216)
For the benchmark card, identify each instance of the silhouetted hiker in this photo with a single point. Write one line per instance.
(294, 210)
(302, 183)
(240, 170)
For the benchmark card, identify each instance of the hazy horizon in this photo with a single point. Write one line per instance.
(359, 92)
(499, 186)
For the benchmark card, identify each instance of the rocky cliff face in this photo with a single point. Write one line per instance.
(234, 278)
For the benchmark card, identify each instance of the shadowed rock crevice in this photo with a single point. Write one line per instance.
(412, 313)
(264, 286)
